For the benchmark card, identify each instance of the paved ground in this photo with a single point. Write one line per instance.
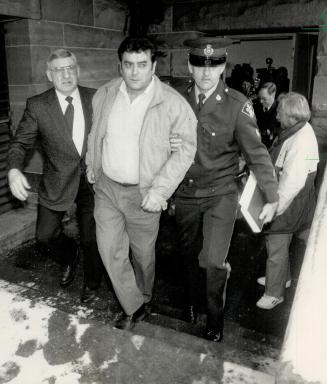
(83, 346)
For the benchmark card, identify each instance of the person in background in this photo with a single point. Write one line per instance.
(130, 161)
(60, 119)
(265, 112)
(248, 89)
(206, 200)
(295, 156)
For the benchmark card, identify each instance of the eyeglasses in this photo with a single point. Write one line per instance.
(61, 70)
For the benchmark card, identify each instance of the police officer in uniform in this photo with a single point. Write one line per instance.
(206, 201)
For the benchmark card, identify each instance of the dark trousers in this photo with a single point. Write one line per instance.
(205, 226)
(49, 232)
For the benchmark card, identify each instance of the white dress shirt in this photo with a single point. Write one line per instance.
(121, 151)
(206, 94)
(79, 122)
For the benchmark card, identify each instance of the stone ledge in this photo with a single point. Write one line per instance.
(17, 227)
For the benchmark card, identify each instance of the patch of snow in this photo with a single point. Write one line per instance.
(22, 321)
(85, 360)
(83, 312)
(238, 374)
(138, 341)
(115, 359)
(29, 285)
(79, 328)
(202, 357)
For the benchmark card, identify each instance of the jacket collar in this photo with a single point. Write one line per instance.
(114, 85)
(282, 137)
(210, 104)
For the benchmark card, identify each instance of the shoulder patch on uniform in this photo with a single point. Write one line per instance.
(248, 109)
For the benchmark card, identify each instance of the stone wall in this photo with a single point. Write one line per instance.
(246, 15)
(19, 8)
(254, 16)
(319, 103)
(92, 29)
(233, 17)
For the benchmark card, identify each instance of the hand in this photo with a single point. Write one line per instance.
(268, 212)
(18, 184)
(175, 142)
(90, 175)
(150, 204)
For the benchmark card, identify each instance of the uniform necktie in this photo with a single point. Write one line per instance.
(69, 113)
(201, 96)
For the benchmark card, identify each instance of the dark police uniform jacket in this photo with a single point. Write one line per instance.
(226, 126)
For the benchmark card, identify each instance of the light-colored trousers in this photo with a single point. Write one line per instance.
(122, 223)
(277, 266)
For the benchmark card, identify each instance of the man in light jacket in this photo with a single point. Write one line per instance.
(130, 161)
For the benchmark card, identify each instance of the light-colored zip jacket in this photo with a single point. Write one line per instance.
(168, 113)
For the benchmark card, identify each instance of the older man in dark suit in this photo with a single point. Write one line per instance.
(60, 119)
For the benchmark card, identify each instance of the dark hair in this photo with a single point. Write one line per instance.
(270, 87)
(137, 44)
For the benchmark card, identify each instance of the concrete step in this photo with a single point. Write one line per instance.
(42, 343)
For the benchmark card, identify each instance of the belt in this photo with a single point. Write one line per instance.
(124, 184)
(118, 182)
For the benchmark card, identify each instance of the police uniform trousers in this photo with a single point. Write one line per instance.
(277, 265)
(49, 233)
(205, 226)
(121, 224)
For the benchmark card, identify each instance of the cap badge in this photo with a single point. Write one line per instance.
(208, 50)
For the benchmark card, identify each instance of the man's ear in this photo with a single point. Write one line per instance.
(154, 65)
(190, 68)
(223, 67)
(49, 75)
(119, 68)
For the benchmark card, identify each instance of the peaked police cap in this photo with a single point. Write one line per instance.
(208, 51)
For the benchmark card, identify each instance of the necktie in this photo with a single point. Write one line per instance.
(69, 113)
(201, 98)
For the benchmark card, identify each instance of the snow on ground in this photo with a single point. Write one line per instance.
(24, 333)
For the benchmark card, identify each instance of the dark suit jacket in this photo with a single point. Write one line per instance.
(62, 165)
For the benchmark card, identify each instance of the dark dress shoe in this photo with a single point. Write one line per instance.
(148, 308)
(127, 322)
(89, 296)
(191, 314)
(67, 276)
(68, 271)
(213, 335)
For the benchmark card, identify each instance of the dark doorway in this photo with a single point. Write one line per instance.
(305, 52)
